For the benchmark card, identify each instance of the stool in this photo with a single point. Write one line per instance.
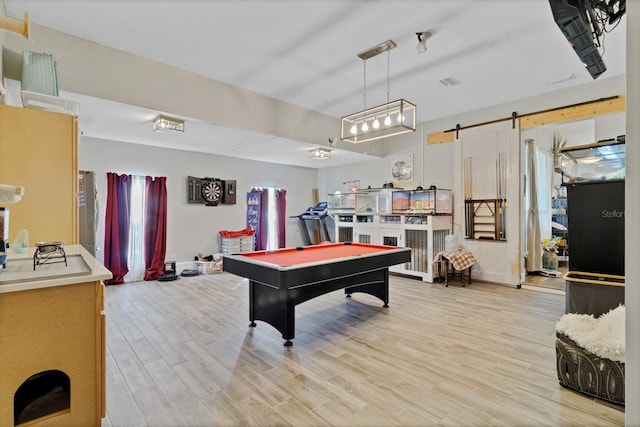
(444, 262)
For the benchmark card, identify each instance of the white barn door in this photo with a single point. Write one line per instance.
(487, 166)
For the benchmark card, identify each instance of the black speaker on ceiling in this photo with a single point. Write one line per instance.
(575, 20)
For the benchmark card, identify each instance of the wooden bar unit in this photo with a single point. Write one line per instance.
(52, 324)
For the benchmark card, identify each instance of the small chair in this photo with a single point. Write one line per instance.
(445, 264)
(460, 261)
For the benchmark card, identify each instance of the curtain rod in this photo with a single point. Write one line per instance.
(515, 115)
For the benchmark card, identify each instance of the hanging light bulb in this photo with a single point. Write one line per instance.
(376, 123)
(365, 126)
(387, 120)
(354, 129)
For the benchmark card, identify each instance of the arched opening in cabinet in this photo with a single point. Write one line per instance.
(42, 394)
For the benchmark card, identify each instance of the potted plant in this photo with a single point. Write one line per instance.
(556, 145)
(550, 253)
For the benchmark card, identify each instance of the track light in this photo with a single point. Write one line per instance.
(422, 41)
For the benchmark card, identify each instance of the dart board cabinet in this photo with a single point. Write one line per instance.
(211, 191)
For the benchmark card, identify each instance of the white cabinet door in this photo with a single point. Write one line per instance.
(364, 234)
(391, 236)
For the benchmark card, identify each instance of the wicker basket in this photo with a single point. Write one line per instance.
(587, 373)
(209, 267)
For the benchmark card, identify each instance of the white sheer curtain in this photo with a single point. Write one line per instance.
(537, 203)
(544, 176)
(272, 234)
(136, 231)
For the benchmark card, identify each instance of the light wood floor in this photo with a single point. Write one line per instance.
(181, 353)
(553, 283)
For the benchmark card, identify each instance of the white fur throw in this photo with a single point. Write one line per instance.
(602, 336)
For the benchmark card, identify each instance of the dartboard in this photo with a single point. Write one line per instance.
(211, 191)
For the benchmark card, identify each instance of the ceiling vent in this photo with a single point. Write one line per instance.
(449, 81)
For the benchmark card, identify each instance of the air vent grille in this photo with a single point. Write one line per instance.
(449, 81)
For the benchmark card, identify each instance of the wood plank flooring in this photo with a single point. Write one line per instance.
(181, 354)
(553, 283)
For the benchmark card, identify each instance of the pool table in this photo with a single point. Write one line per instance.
(281, 279)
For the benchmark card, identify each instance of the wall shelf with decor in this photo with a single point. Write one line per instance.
(485, 219)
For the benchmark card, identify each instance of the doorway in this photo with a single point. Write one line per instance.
(578, 132)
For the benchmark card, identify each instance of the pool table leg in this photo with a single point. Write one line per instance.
(374, 283)
(273, 306)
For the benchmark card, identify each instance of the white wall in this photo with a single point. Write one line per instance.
(632, 214)
(193, 228)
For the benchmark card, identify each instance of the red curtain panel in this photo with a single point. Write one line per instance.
(116, 236)
(155, 229)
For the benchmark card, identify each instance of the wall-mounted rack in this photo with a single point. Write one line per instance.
(485, 219)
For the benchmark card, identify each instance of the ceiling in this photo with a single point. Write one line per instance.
(305, 53)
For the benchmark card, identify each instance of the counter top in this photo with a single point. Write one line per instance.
(20, 275)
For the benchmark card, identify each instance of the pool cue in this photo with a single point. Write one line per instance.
(501, 199)
(469, 232)
(465, 178)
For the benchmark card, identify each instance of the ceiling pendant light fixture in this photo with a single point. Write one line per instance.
(355, 127)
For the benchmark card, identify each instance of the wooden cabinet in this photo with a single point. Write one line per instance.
(52, 352)
(38, 150)
(59, 328)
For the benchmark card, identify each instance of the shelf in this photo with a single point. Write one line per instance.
(484, 219)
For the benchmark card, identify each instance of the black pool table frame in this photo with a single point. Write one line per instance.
(274, 291)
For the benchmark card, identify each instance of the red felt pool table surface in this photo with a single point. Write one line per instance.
(310, 254)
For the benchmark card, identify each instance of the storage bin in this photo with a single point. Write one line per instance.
(233, 242)
(231, 245)
(592, 293)
(209, 267)
(39, 73)
(40, 101)
(587, 373)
